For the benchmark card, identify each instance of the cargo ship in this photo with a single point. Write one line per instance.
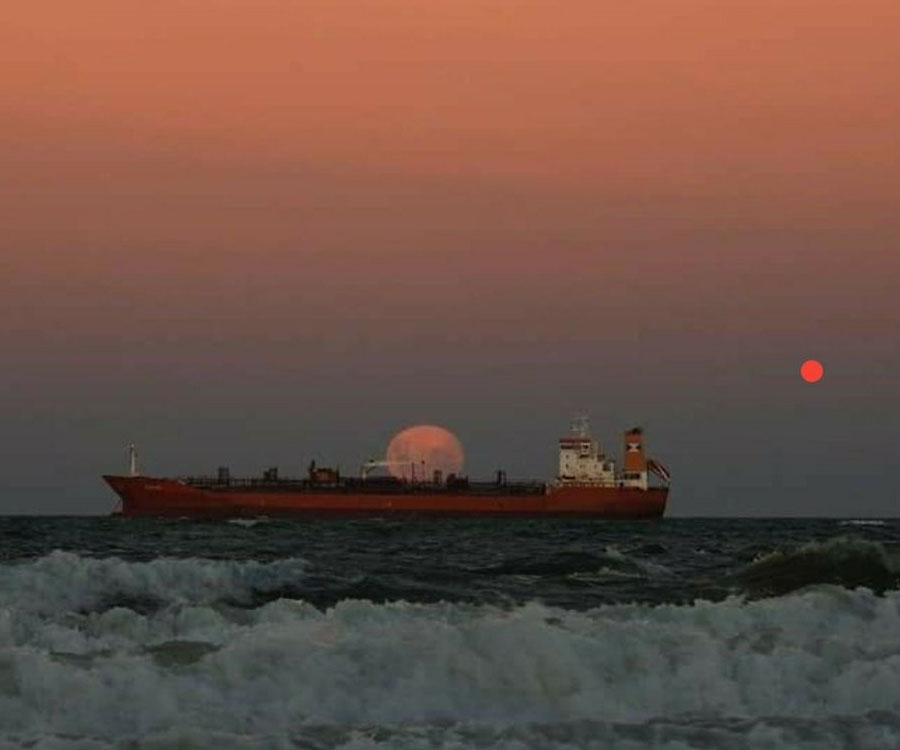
(588, 483)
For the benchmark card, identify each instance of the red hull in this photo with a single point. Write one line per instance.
(147, 496)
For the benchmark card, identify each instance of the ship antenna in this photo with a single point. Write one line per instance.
(132, 460)
(581, 426)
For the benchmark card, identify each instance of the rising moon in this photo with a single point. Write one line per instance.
(417, 452)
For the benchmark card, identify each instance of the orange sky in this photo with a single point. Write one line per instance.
(197, 128)
(698, 90)
(183, 179)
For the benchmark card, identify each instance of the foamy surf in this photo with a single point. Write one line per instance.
(810, 670)
(873, 732)
(68, 582)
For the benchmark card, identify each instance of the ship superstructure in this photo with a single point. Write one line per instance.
(583, 463)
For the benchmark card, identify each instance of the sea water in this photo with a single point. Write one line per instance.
(449, 633)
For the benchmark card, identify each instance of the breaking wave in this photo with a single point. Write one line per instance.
(842, 561)
(810, 669)
(67, 582)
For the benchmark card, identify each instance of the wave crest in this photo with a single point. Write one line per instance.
(843, 561)
(68, 582)
(568, 563)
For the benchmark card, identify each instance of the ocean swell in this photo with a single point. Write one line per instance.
(568, 563)
(842, 561)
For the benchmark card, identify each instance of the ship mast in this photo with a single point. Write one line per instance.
(132, 460)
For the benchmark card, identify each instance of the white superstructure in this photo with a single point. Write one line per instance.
(583, 463)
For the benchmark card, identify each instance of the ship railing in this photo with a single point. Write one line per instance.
(213, 482)
(573, 482)
(354, 484)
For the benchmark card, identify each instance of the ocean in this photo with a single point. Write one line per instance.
(364, 634)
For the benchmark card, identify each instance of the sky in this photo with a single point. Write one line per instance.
(260, 233)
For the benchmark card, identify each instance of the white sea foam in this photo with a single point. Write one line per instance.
(364, 675)
(64, 581)
(872, 733)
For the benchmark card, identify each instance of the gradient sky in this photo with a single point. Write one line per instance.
(259, 232)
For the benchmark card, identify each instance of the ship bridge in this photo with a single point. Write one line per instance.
(583, 463)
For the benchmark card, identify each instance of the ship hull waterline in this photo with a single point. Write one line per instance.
(148, 496)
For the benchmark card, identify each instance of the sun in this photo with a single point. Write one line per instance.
(416, 453)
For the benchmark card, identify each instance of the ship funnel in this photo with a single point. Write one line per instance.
(634, 450)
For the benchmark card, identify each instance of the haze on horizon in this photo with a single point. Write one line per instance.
(272, 232)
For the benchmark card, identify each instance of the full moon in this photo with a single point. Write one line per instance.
(811, 371)
(417, 452)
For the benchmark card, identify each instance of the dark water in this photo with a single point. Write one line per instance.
(449, 633)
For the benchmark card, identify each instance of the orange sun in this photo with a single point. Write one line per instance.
(417, 452)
